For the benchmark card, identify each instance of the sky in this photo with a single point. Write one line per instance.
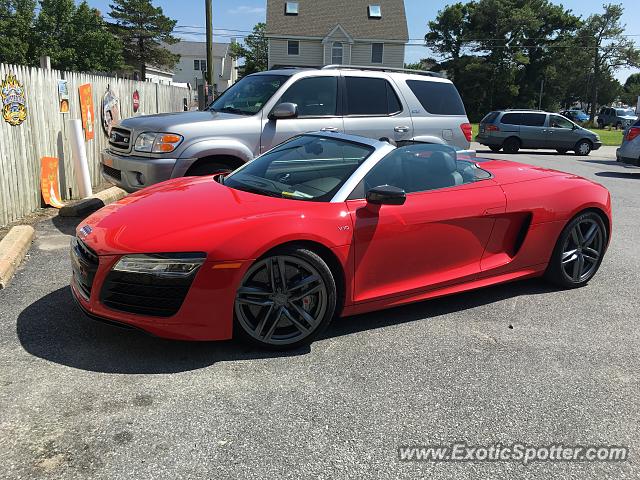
(237, 18)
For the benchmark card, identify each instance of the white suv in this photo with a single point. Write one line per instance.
(267, 108)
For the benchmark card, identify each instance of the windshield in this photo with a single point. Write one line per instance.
(304, 168)
(248, 95)
(626, 113)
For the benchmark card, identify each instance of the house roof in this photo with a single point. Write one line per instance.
(317, 18)
(197, 49)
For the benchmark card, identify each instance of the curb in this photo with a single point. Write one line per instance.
(13, 247)
(82, 208)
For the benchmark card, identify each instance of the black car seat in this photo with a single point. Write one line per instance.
(439, 170)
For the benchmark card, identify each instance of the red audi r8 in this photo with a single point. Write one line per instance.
(328, 225)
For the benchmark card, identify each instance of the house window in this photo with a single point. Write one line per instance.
(203, 65)
(200, 65)
(377, 50)
(196, 65)
(375, 11)
(291, 8)
(336, 53)
(293, 47)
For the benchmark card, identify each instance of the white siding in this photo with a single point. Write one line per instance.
(393, 55)
(311, 54)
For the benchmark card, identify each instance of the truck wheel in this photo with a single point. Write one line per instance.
(202, 169)
(511, 145)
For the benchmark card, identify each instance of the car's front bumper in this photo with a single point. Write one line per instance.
(596, 145)
(206, 313)
(134, 173)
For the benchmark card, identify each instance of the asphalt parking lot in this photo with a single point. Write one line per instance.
(521, 362)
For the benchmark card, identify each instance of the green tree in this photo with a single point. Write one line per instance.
(602, 36)
(75, 37)
(143, 29)
(16, 21)
(254, 51)
(631, 90)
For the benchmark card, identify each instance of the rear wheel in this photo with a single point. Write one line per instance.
(495, 148)
(561, 151)
(511, 145)
(583, 147)
(578, 252)
(285, 300)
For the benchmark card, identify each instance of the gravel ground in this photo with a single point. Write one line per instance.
(521, 362)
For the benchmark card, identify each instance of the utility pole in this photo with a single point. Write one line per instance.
(541, 90)
(210, 76)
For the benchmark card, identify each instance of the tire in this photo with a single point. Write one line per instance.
(495, 148)
(207, 168)
(583, 147)
(276, 311)
(578, 252)
(619, 126)
(511, 145)
(600, 124)
(561, 151)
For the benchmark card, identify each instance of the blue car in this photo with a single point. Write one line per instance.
(577, 116)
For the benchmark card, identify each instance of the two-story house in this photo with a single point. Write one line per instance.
(193, 63)
(313, 33)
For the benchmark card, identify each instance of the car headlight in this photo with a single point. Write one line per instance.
(157, 142)
(161, 265)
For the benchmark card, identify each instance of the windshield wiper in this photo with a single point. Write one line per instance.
(232, 110)
(248, 188)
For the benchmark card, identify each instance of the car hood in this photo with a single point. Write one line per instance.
(186, 214)
(176, 122)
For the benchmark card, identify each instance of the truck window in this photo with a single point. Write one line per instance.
(440, 98)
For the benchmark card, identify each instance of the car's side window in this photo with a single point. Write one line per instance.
(419, 168)
(371, 96)
(511, 119)
(315, 96)
(556, 121)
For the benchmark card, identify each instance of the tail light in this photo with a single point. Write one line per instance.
(632, 133)
(491, 128)
(467, 130)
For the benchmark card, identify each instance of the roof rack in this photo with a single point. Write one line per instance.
(426, 73)
(524, 110)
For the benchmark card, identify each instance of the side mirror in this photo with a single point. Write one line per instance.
(283, 111)
(386, 195)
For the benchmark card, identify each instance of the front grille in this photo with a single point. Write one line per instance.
(84, 262)
(112, 172)
(120, 138)
(145, 294)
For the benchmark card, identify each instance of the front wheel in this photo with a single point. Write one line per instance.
(208, 168)
(583, 147)
(578, 252)
(285, 300)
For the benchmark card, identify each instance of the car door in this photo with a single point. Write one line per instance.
(436, 238)
(531, 129)
(319, 108)
(374, 108)
(560, 133)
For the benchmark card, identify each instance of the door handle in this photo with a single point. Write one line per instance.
(401, 129)
(329, 129)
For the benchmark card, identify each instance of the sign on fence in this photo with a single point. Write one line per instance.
(87, 112)
(14, 100)
(49, 183)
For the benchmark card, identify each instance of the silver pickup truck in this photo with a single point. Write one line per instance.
(265, 109)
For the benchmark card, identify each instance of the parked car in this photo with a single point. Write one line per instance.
(264, 109)
(629, 151)
(575, 115)
(512, 130)
(328, 224)
(617, 117)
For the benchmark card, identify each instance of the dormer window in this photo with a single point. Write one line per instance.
(291, 8)
(375, 11)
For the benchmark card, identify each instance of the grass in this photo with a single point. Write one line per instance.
(612, 138)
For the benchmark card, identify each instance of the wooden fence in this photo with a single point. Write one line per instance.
(44, 132)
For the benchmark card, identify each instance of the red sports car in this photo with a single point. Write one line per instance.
(329, 225)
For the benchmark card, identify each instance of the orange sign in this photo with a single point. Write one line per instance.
(49, 184)
(87, 111)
